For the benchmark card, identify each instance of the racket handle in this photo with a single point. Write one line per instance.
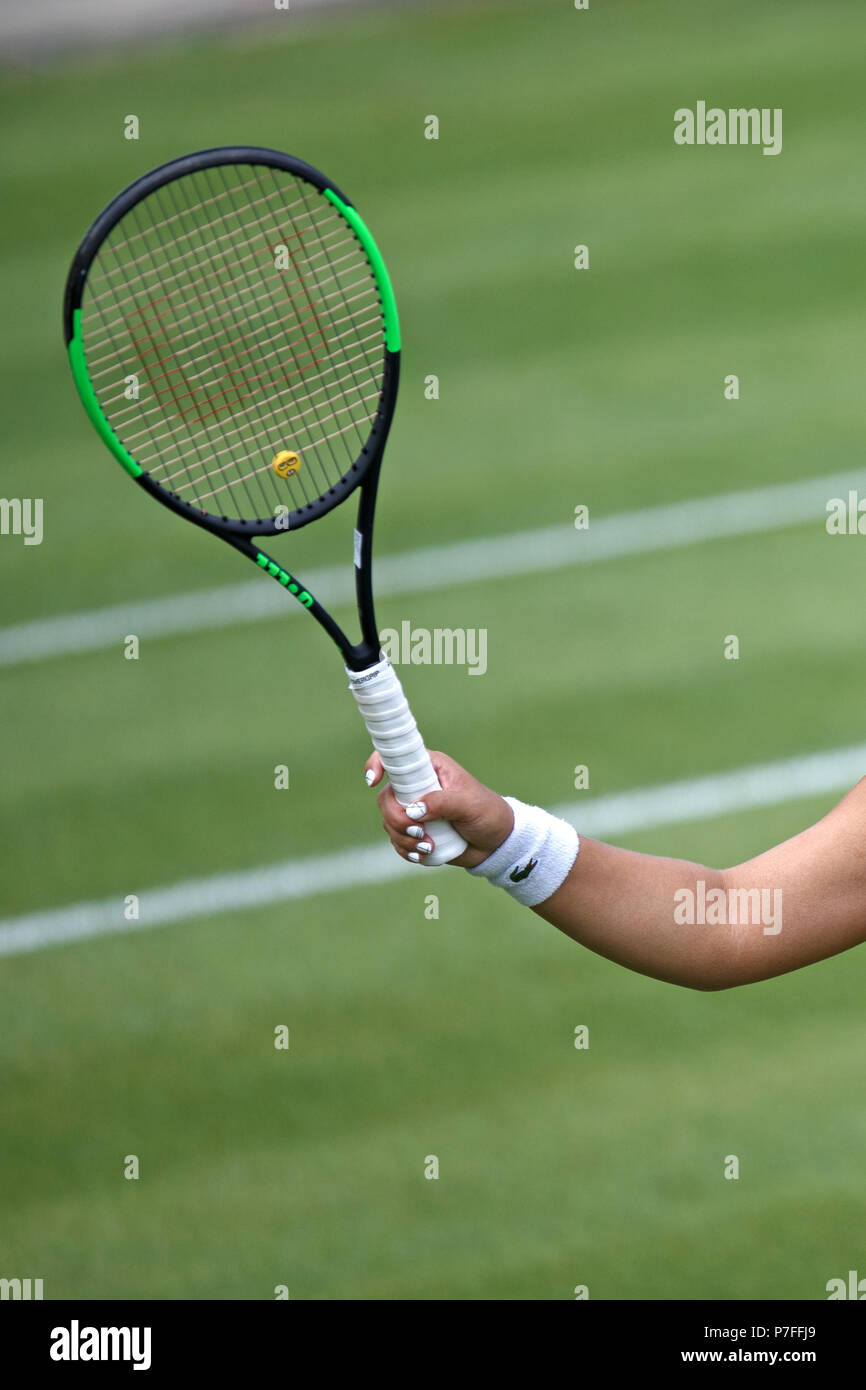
(386, 713)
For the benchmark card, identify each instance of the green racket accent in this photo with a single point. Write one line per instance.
(380, 272)
(91, 404)
(283, 577)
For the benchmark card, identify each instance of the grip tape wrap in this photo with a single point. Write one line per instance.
(391, 725)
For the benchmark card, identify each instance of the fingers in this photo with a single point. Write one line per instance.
(373, 770)
(409, 837)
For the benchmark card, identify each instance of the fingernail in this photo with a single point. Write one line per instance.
(368, 776)
(416, 831)
(425, 847)
(416, 858)
(416, 810)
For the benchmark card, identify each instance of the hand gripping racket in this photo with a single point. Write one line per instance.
(233, 334)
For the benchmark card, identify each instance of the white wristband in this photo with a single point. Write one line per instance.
(535, 859)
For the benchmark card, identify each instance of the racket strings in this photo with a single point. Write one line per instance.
(158, 227)
(336, 434)
(303, 316)
(332, 268)
(211, 348)
(140, 438)
(147, 461)
(203, 339)
(240, 479)
(98, 370)
(213, 303)
(235, 244)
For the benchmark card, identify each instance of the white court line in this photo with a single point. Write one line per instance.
(440, 567)
(702, 798)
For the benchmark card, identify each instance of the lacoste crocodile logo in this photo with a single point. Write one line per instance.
(517, 874)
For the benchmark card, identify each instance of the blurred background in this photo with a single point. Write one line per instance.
(453, 1035)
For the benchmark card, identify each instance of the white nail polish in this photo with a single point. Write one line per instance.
(416, 810)
(425, 847)
(416, 831)
(416, 858)
(368, 776)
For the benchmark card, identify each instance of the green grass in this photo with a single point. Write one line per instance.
(451, 1037)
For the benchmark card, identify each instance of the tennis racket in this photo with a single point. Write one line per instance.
(233, 335)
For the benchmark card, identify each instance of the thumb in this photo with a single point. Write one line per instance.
(451, 804)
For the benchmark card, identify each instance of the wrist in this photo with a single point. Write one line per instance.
(535, 857)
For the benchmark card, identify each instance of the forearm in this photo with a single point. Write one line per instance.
(622, 904)
(710, 929)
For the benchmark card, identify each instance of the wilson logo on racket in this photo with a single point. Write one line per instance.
(282, 577)
(517, 874)
(286, 463)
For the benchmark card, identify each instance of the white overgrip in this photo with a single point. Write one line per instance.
(390, 724)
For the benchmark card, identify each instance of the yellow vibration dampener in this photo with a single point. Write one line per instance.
(286, 464)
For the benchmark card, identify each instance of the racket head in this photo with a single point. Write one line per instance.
(233, 334)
